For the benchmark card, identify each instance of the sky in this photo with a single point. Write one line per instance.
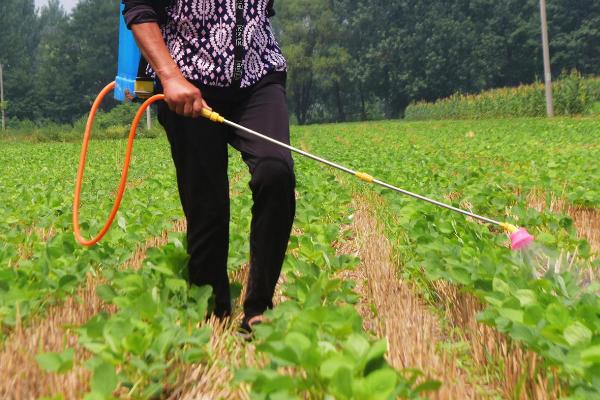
(67, 4)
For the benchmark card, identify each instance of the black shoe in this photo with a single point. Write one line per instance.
(245, 330)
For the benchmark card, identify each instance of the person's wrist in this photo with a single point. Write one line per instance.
(169, 76)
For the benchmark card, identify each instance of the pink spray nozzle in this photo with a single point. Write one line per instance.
(520, 239)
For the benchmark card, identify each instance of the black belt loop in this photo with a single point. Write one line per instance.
(238, 38)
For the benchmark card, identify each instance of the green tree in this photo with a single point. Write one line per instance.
(82, 52)
(575, 35)
(92, 50)
(312, 43)
(407, 50)
(348, 59)
(18, 43)
(51, 90)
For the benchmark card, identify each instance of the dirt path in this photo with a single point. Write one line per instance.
(391, 309)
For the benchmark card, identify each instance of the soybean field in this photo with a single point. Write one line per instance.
(382, 296)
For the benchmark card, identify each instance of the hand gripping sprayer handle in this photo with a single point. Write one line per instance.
(520, 238)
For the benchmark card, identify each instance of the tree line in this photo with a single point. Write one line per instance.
(348, 59)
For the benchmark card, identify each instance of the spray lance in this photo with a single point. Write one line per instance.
(132, 85)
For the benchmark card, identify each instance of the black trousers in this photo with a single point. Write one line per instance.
(199, 151)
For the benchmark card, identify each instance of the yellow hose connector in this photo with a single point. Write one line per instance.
(364, 177)
(143, 89)
(213, 116)
(510, 228)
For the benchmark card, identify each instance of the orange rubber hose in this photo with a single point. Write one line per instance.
(86, 138)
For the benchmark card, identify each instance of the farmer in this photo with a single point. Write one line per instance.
(223, 53)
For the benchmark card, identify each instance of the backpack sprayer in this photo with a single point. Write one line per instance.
(131, 84)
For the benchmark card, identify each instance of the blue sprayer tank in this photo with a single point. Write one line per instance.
(128, 86)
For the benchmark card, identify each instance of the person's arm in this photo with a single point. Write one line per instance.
(181, 96)
(142, 17)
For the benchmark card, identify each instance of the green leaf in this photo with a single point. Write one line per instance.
(460, 275)
(55, 397)
(381, 382)
(297, 341)
(162, 269)
(246, 375)
(95, 326)
(176, 284)
(428, 386)
(375, 357)
(104, 379)
(546, 238)
(558, 315)
(591, 354)
(526, 297)
(331, 365)
(105, 292)
(193, 355)
(357, 345)
(122, 223)
(512, 314)
(67, 282)
(94, 396)
(500, 286)
(577, 333)
(341, 383)
(201, 293)
(131, 282)
(533, 314)
(50, 362)
(136, 343)
(56, 362)
(522, 332)
(144, 305)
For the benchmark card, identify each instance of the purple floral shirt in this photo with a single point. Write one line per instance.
(222, 42)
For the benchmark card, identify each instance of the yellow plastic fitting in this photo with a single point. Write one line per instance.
(144, 89)
(213, 116)
(364, 177)
(510, 228)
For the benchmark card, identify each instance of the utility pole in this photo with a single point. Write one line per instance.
(547, 71)
(2, 96)
(148, 118)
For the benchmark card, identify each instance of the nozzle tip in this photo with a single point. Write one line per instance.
(520, 239)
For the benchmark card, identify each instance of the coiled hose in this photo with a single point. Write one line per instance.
(84, 149)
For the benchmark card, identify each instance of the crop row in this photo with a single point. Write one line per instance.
(573, 95)
(548, 309)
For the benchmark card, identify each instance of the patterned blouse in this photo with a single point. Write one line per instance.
(218, 42)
